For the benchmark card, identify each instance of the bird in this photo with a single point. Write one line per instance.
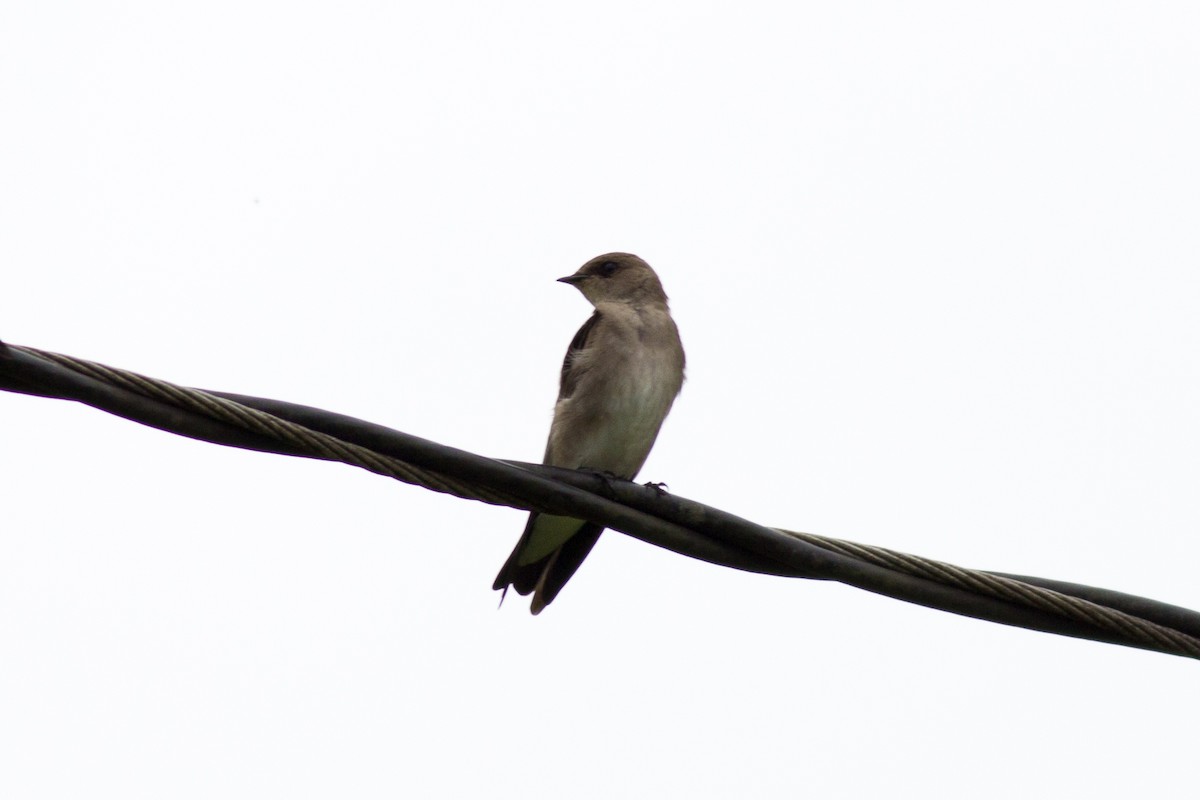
(620, 377)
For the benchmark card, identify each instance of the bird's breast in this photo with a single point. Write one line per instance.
(612, 419)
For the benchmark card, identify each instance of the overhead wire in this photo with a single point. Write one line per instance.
(675, 523)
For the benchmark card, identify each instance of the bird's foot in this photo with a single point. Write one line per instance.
(606, 480)
(660, 489)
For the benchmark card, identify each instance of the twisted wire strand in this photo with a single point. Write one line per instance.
(427, 464)
(260, 422)
(1009, 589)
(323, 445)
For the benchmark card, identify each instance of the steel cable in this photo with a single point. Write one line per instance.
(681, 525)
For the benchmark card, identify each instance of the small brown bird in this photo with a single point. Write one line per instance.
(621, 374)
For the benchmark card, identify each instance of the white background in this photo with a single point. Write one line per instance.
(935, 266)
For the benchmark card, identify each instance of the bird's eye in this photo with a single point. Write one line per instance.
(608, 268)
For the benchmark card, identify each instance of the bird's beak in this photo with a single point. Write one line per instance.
(575, 279)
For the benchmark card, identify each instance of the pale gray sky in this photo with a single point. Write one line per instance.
(935, 266)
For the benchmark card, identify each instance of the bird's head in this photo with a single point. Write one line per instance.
(617, 278)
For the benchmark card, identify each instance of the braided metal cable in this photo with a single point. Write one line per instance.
(681, 525)
(251, 419)
(1012, 590)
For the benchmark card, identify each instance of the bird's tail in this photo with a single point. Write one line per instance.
(546, 576)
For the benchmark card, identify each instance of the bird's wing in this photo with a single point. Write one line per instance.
(570, 376)
(552, 547)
